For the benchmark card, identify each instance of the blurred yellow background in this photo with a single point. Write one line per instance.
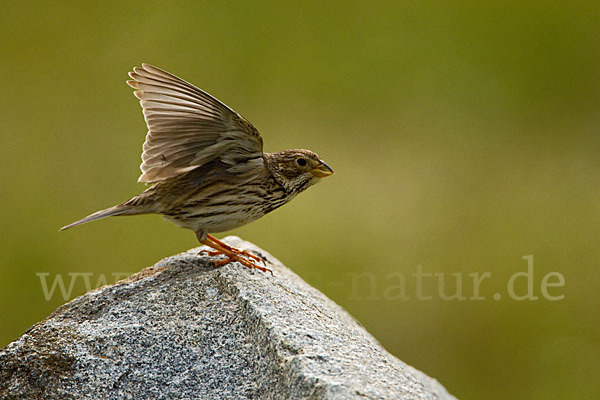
(464, 136)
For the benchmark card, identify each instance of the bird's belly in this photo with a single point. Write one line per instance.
(217, 221)
(227, 224)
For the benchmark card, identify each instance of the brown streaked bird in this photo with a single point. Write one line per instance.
(206, 165)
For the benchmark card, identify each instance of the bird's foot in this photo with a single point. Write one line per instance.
(241, 253)
(209, 253)
(231, 257)
(244, 257)
(247, 254)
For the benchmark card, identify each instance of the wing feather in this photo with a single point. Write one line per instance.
(188, 128)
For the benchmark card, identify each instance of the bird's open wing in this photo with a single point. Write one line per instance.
(187, 127)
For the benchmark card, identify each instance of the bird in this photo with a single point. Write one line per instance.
(205, 166)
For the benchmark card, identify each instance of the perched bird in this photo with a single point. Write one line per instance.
(206, 166)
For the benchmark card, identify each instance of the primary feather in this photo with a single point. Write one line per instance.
(187, 127)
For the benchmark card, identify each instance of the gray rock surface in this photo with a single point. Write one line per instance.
(181, 329)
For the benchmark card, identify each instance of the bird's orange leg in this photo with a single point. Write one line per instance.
(231, 256)
(209, 253)
(221, 245)
(244, 253)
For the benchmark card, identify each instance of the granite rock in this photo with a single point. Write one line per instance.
(183, 329)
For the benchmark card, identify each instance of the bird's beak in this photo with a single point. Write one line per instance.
(322, 170)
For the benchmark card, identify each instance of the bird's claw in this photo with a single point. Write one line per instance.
(209, 253)
(246, 253)
(242, 253)
(232, 254)
(245, 262)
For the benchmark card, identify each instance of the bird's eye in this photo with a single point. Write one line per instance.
(301, 162)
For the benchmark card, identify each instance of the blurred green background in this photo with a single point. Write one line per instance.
(464, 136)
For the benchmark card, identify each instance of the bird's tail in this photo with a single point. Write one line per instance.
(122, 209)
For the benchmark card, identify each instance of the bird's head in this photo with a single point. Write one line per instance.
(297, 169)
